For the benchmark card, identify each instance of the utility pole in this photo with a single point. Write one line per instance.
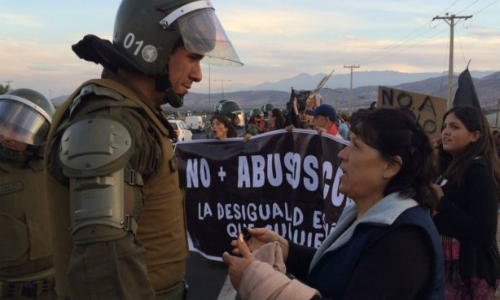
(222, 83)
(451, 21)
(352, 92)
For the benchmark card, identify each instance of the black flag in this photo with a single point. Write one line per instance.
(466, 92)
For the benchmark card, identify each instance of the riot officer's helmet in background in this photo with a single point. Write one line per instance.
(25, 116)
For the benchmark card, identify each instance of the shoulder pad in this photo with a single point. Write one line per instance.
(95, 90)
(95, 146)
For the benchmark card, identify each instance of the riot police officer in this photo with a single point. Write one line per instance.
(26, 264)
(232, 110)
(256, 124)
(266, 109)
(110, 157)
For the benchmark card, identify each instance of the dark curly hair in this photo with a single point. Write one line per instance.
(280, 120)
(396, 132)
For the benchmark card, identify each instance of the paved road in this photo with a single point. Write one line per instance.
(205, 278)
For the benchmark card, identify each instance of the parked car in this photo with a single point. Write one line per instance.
(183, 133)
(195, 123)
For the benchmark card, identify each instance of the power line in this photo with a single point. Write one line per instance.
(461, 46)
(394, 53)
(470, 5)
(482, 9)
(444, 68)
(405, 38)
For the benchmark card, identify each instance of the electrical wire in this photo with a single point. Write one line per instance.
(446, 53)
(397, 51)
(405, 39)
(461, 46)
(484, 8)
(470, 5)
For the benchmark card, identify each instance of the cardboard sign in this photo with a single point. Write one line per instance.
(428, 110)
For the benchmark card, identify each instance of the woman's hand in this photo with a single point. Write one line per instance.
(246, 137)
(436, 143)
(438, 189)
(238, 265)
(321, 130)
(260, 237)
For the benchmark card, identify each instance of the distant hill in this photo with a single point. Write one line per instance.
(307, 82)
(488, 89)
(487, 86)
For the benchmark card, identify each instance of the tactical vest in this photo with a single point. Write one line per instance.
(25, 240)
(162, 224)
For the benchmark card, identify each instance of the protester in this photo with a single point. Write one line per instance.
(343, 127)
(222, 127)
(276, 119)
(26, 261)
(117, 209)
(298, 116)
(324, 119)
(266, 109)
(385, 246)
(466, 216)
(229, 109)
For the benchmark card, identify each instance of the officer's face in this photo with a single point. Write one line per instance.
(12, 144)
(184, 69)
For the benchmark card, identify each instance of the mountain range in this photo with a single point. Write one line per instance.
(337, 93)
(487, 86)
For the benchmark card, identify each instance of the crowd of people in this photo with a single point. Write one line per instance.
(91, 207)
(323, 118)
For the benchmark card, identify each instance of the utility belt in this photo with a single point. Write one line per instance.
(39, 286)
(177, 292)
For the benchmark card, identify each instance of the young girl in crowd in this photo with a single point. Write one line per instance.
(466, 216)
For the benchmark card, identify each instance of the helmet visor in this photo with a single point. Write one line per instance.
(202, 33)
(22, 123)
(240, 117)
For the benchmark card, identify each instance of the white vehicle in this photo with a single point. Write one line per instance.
(183, 133)
(195, 123)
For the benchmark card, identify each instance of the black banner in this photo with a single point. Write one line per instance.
(285, 181)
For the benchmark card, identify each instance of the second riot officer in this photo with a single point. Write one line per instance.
(25, 242)
(113, 172)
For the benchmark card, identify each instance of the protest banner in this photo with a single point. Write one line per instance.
(286, 181)
(428, 110)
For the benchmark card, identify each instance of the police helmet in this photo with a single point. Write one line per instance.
(25, 116)
(257, 113)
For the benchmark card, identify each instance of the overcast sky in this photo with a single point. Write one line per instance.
(276, 39)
